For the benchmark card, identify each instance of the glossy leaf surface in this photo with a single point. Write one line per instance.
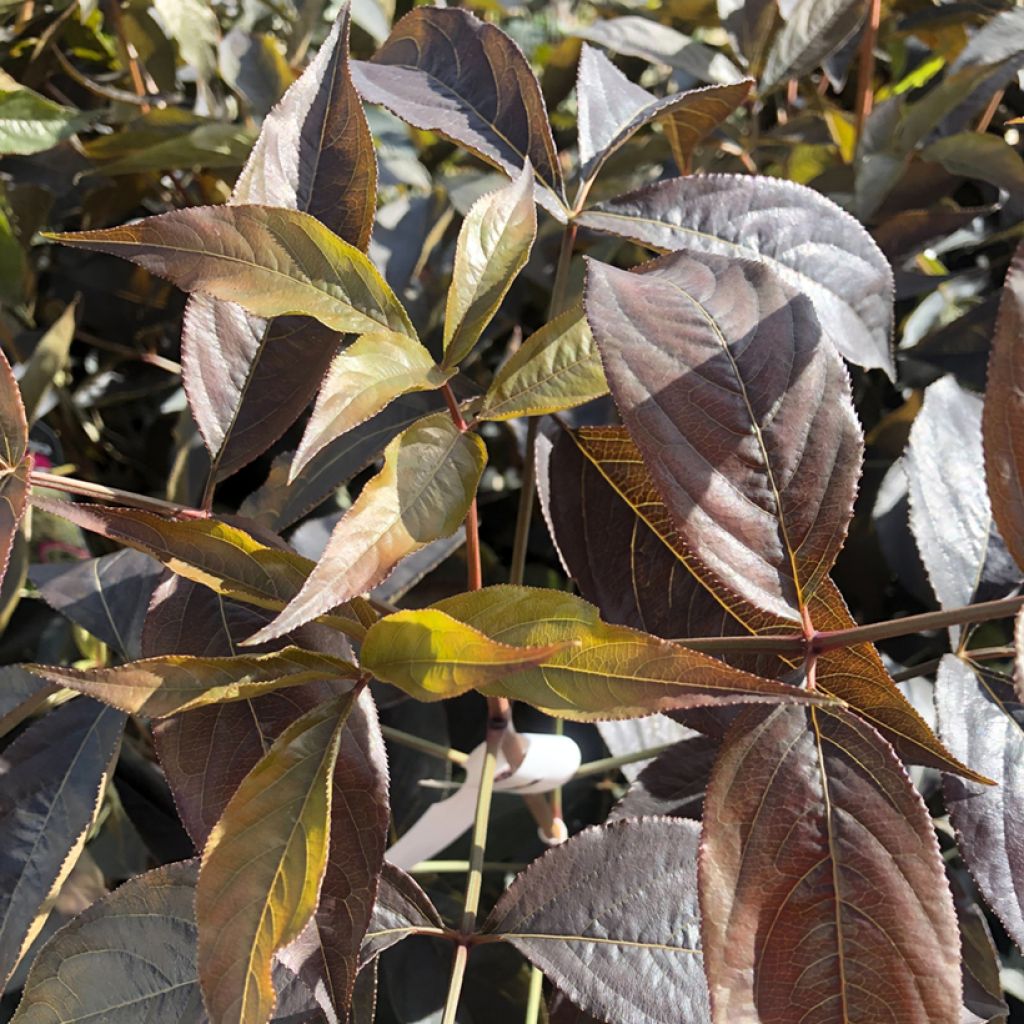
(429, 478)
(447, 71)
(494, 245)
(158, 687)
(981, 718)
(315, 154)
(270, 261)
(742, 412)
(813, 29)
(14, 461)
(30, 123)
(806, 238)
(1004, 413)
(611, 917)
(53, 779)
(249, 906)
(610, 671)
(822, 890)
(402, 907)
(361, 381)
(556, 368)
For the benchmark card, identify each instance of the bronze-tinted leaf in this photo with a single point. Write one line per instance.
(15, 462)
(222, 557)
(159, 687)
(1003, 418)
(314, 153)
(805, 237)
(401, 909)
(950, 514)
(980, 719)
(251, 904)
(612, 109)
(429, 478)
(269, 260)
(54, 776)
(447, 71)
(822, 890)
(611, 917)
(742, 411)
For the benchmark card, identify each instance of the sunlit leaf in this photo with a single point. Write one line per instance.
(15, 462)
(47, 360)
(813, 30)
(612, 109)
(430, 476)
(821, 884)
(605, 671)
(742, 411)
(268, 260)
(487, 100)
(749, 24)
(556, 368)
(494, 245)
(807, 239)
(433, 656)
(402, 908)
(53, 777)
(315, 154)
(263, 865)
(1003, 417)
(981, 720)
(612, 918)
(361, 381)
(158, 687)
(220, 556)
(30, 123)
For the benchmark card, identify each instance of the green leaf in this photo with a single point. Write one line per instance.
(980, 156)
(53, 777)
(48, 358)
(429, 479)
(362, 380)
(30, 123)
(158, 687)
(433, 656)
(263, 865)
(494, 245)
(270, 261)
(556, 368)
(224, 558)
(604, 671)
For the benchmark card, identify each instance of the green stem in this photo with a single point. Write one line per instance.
(533, 999)
(927, 667)
(112, 495)
(455, 985)
(446, 867)
(608, 764)
(406, 739)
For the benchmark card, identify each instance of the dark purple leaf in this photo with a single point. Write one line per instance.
(402, 908)
(672, 784)
(813, 30)
(15, 462)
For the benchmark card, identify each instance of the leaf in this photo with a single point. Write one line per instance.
(430, 476)
(981, 719)
(402, 908)
(750, 24)
(799, 233)
(612, 109)
(649, 40)
(487, 100)
(271, 261)
(30, 123)
(206, 753)
(250, 906)
(812, 31)
(15, 462)
(950, 514)
(1003, 414)
(822, 890)
(279, 502)
(742, 412)
(362, 380)
(556, 368)
(106, 596)
(606, 671)
(50, 789)
(100, 966)
(658, 565)
(21, 695)
(494, 245)
(47, 360)
(982, 157)
(220, 556)
(433, 656)
(158, 687)
(611, 917)
(314, 154)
